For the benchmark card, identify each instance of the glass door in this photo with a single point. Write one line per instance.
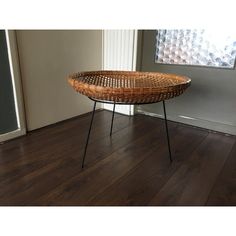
(11, 109)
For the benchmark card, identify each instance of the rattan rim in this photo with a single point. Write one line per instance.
(129, 86)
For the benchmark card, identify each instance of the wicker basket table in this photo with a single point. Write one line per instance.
(128, 87)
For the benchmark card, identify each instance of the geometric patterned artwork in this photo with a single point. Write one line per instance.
(196, 47)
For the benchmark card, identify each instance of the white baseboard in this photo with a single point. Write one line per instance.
(122, 109)
(210, 125)
(11, 135)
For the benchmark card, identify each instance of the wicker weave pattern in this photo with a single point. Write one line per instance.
(128, 86)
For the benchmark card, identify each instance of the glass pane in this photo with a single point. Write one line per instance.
(8, 119)
(196, 47)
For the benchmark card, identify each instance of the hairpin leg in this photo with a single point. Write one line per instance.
(167, 132)
(113, 113)
(91, 123)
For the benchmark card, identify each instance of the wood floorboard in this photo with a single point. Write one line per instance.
(110, 169)
(45, 137)
(192, 182)
(139, 186)
(38, 157)
(45, 179)
(129, 168)
(224, 190)
(34, 162)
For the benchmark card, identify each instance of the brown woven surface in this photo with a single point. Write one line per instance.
(129, 86)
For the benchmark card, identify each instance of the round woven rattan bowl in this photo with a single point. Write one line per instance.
(129, 87)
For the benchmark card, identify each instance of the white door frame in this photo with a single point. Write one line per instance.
(120, 53)
(17, 87)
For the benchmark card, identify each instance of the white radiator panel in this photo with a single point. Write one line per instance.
(119, 53)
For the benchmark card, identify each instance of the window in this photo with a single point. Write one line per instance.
(196, 47)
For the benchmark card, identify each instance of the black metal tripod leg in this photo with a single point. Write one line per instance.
(91, 123)
(113, 113)
(167, 131)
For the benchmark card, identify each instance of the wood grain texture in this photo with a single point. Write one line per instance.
(224, 190)
(142, 183)
(193, 181)
(130, 168)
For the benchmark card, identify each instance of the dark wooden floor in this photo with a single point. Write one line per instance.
(130, 168)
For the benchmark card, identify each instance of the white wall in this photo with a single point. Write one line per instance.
(46, 59)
